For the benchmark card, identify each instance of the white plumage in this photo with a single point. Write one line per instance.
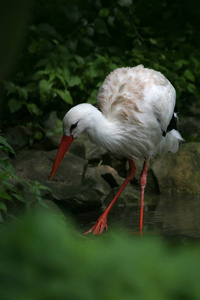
(135, 119)
(136, 105)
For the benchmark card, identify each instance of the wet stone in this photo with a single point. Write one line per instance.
(75, 198)
(102, 179)
(36, 165)
(129, 197)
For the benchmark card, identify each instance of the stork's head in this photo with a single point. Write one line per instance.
(75, 121)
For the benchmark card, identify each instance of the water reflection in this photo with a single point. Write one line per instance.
(172, 215)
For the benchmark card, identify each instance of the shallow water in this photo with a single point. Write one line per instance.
(174, 217)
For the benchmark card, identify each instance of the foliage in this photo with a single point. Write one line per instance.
(10, 193)
(44, 258)
(72, 46)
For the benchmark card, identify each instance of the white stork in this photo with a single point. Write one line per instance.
(136, 119)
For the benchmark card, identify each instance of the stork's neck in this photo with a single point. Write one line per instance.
(102, 131)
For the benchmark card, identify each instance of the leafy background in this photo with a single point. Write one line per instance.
(71, 46)
(68, 49)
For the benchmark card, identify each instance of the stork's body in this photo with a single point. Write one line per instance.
(136, 120)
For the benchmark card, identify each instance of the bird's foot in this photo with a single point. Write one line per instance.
(99, 226)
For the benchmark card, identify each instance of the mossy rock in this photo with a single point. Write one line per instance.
(180, 172)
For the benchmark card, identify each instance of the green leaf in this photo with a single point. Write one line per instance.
(44, 86)
(33, 109)
(100, 26)
(65, 95)
(4, 195)
(125, 3)
(91, 72)
(14, 105)
(181, 62)
(104, 12)
(38, 135)
(79, 59)
(111, 21)
(189, 75)
(49, 29)
(3, 207)
(6, 145)
(74, 80)
(19, 197)
(22, 92)
(1, 218)
(93, 96)
(9, 86)
(153, 41)
(62, 79)
(192, 89)
(72, 12)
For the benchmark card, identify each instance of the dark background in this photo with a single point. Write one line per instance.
(55, 54)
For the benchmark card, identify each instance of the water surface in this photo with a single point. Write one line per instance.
(173, 216)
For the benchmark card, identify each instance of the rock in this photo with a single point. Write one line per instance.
(120, 164)
(190, 127)
(92, 152)
(179, 214)
(152, 184)
(77, 148)
(102, 179)
(18, 137)
(180, 172)
(50, 121)
(75, 198)
(51, 142)
(81, 147)
(129, 197)
(96, 182)
(66, 188)
(36, 165)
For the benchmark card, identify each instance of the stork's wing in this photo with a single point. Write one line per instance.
(135, 93)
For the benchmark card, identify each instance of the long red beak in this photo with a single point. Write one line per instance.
(64, 145)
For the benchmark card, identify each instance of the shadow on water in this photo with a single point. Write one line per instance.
(174, 217)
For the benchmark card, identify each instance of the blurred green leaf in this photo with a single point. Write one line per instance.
(104, 12)
(189, 75)
(153, 41)
(19, 197)
(65, 95)
(100, 26)
(14, 105)
(33, 109)
(4, 195)
(44, 86)
(6, 147)
(3, 206)
(93, 96)
(56, 262)
(192, 89)
(74, 80)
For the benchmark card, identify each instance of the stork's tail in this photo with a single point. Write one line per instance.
(171, 142)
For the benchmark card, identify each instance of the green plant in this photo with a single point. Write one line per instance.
(8, 179)
(72, 46)
(10, 192)
(43, 257)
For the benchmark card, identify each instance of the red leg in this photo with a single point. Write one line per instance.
(101, 223)
(143, 180)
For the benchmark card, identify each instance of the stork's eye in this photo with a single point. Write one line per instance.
(73, 126)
